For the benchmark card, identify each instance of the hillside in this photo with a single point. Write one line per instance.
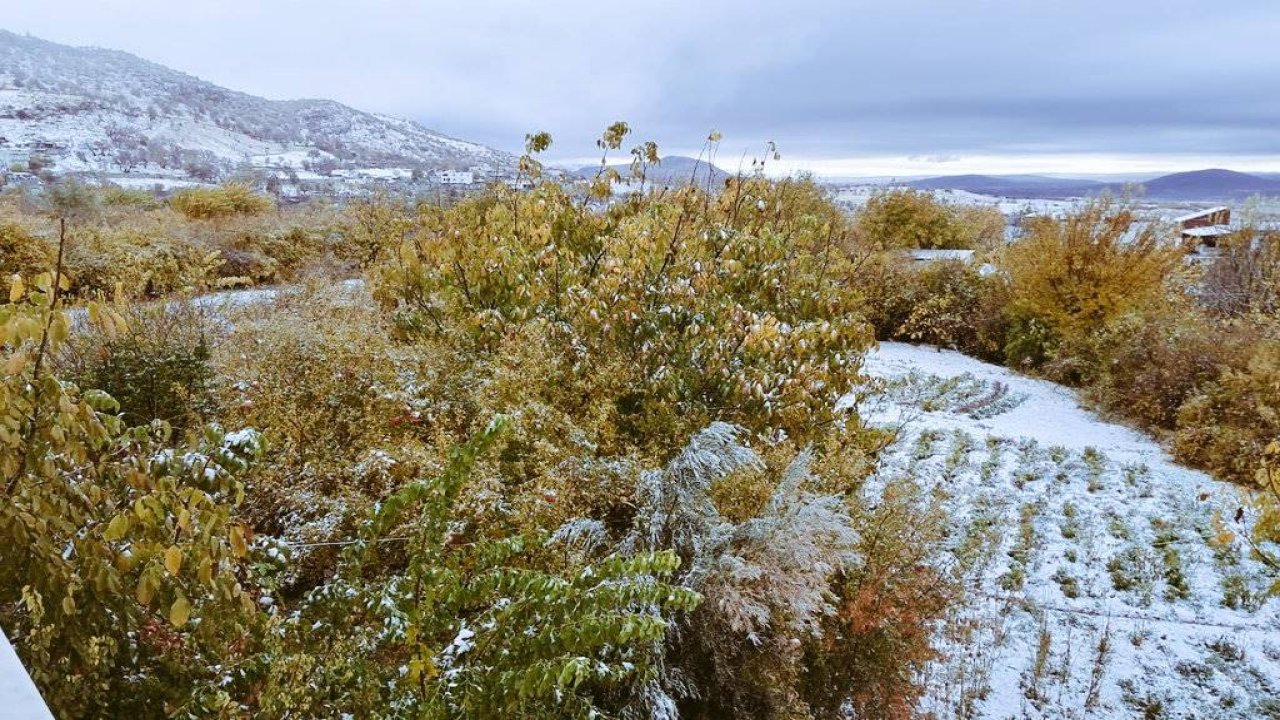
(1199, 185)
(1029, 186)
(1215, 184)
(93, 110)
(672, 170)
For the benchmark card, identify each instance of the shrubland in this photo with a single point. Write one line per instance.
(563, 455)
(131, 242)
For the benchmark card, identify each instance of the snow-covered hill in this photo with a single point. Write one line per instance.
(1103, 579)
(87, 109)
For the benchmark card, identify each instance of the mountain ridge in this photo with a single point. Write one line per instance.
(105, 110)
(672, 170)
(1207, 184)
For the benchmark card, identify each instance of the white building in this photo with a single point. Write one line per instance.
(455, 177)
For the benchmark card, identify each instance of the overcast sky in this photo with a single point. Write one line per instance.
(845, 87)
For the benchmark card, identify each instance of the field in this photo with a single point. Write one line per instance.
(1104, 580)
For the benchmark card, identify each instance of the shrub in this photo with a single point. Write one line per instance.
(114, 196)
(1225, 428)
(873, 649)
(125, 584)
(1071, 279)
(136, 262)
(909, 219)
(268, 255)
(220, 202)
(679, 309)
(1155, 359)
(1245, 277)
(954, 306)
(156, 369)
(478, 628)
(23, 252)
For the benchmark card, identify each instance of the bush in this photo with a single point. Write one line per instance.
(1071, 279)
(156, 369)
(23, 252)
(954, 306)
(1155, 359)
(678, 309)
(910, 219)
(220, 202)
(1225, 429)
(1245, 277)
(125, 583)
(136, 262)
(477, 628)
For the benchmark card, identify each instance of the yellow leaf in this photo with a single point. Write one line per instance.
(179, 612)
(173, 560)
(69, 605)
(146, 590)
(238, 546)
(116, 529)
(184, 520)
(206, 571)
(17, 288)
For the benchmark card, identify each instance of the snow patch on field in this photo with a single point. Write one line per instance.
(1104, 579)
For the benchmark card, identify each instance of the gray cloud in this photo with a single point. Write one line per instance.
(825, 79)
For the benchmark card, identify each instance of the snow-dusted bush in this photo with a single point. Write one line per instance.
(772, 582)
(124, 585)
(676, 308)
(220, 202)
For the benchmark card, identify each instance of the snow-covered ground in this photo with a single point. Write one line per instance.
(1103, 579)
(854, 197)
(18, 696)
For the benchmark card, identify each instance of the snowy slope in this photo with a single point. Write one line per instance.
(18, 697)
(1104, 580)
(103, 110)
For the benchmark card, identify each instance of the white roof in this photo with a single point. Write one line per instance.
(1200, 213)
(1209, 231)
(965, 255)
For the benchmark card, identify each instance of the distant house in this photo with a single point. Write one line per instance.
(455, 177)
(925, 256)
(1206, 227)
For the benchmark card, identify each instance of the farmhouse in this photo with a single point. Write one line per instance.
(455, 177)
(1206, 227)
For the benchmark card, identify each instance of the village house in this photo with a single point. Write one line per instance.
(455, 177)
(1205, 227)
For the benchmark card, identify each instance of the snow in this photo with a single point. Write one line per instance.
(1209, 231)
(936, 255)
(1201, 213)
(1064, 509)
(18, 695)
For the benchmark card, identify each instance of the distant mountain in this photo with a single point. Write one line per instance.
(1197, 185)
(672, 170)
(1213, 184)
(93, 110)
(1023, 186)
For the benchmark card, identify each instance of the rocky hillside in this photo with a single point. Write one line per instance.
(86, 109)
